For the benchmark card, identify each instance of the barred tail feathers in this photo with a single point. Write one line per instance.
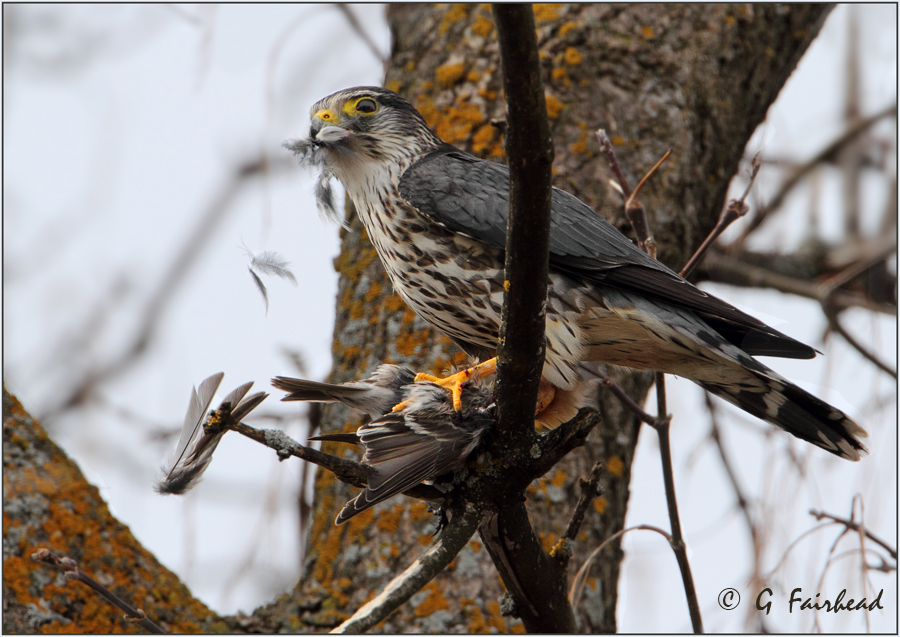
(776, 400)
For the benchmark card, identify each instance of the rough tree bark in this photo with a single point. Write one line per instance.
(697, 79)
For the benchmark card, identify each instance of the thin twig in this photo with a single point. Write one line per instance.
(853, 526)
(74, 574)
(735, 209)
(590, 489)
(581, 576)
(834, 322)
(627, 400)
(742, 501)
(733, 271)
(678, 545)
(606, 148)
(827, 154)
(637, 217)
(346, 471)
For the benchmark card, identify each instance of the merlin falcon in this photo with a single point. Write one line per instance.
(437, 218)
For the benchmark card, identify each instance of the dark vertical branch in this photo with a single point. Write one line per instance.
(530, 151)
(535, 581)
(525, 568)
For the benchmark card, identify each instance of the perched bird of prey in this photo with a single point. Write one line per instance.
(424, 440)
(437, 218)
(202, 431)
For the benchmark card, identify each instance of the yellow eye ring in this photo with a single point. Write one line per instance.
(366, 106)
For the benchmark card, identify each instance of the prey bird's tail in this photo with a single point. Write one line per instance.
(375, 395)
(766, 395)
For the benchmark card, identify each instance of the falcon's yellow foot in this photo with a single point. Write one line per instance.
(454, 383)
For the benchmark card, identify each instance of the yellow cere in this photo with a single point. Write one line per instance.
(326, 115)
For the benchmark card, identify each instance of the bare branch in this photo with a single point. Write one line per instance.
(829, 153)
(580, 578)
(732, 271)
(835, 324)
(74, 574)
(854, 526)
(442, 551)
(677, 541)
(590, 489)
(734, 210)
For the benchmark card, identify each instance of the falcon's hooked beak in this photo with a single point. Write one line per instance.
(325, 127)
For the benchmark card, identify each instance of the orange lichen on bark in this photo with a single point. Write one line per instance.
(647, 32)
(456, 13)
(49, 504)
(434, 602)
(546, 12)
(559, 74)
(477, 622)
(483, 138)
(600, 505)
(559, 478)
(449, 74)
(548, 540)
(393, 303)
(389, 521)
(615, 466)
(566, 27)
(572, 56)
(456, 123)
(373, 292)
(418, 512)
(358, 524)
(328, 551)
(495, 619)
(554, 106)
(482, 26)
(357, 310)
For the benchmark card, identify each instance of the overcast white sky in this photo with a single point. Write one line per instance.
(123, 123)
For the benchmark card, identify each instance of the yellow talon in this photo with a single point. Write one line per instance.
(455, 382)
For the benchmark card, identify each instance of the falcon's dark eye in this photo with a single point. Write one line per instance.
(366, 105)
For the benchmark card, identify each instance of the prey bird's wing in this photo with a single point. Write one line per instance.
(193, 418)
(404, 453)
(197, 444)
(471, 196)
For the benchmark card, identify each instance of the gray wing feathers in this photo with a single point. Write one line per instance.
(471, 196)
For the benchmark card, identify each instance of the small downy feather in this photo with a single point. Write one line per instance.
(325, 200)
(269, 263)
(307, 151)
(200, 435)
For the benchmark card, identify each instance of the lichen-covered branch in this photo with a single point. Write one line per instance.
(453, 538)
